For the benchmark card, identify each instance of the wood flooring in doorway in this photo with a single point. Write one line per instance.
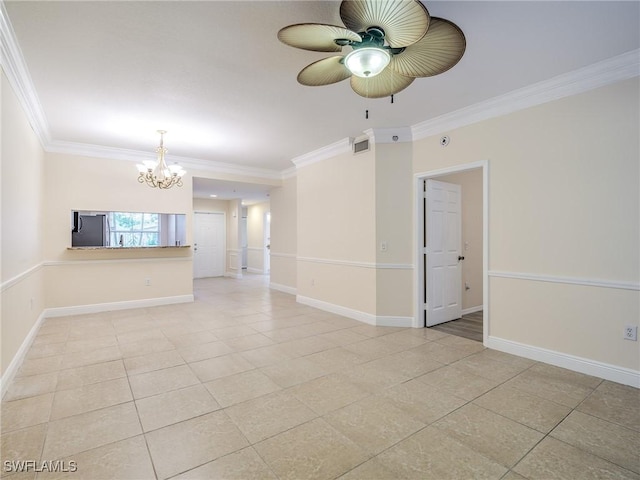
(469, 326)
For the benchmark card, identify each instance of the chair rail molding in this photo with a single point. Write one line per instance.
(351, 263)
(587, 282)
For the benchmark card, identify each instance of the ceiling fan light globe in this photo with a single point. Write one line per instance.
(367, 62)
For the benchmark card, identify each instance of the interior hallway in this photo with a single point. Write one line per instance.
(246, 383)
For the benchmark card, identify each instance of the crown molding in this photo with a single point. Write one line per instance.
(387, 135)
(113, 153)
(288, 173)
(336, 148)
(606, 72)
(17, 73)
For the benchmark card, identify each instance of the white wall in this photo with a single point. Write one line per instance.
(563, 206)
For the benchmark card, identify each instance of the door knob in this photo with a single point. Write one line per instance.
(460, 257)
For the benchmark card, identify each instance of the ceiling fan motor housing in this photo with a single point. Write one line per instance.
(373, 37)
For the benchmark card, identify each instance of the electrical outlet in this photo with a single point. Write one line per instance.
(147, 282)
(631, 333)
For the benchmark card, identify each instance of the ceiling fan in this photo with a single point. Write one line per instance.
(393, 42)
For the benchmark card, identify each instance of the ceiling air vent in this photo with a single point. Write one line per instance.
(361, 146)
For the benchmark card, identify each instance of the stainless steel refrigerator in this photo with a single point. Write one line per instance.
(89, 230)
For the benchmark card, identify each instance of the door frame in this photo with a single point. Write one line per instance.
(266, 240)
(418, 282)
(224, 240)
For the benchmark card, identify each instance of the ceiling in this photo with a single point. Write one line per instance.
(249, 193)
(214, 75)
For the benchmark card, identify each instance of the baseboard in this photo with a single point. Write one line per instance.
(369, 318)
(389, 321)
(477, 308)
(255, 270)
(124, 305)
(233, 275)
(283, 288)
(18, 358)
(613, 373)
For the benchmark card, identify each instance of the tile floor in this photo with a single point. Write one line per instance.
(246, 384)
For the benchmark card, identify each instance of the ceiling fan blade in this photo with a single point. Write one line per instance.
(439, 50)
(324, 72)
(316, 37)
(404, 21)
(384, 84)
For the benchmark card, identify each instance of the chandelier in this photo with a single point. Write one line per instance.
(158, 174)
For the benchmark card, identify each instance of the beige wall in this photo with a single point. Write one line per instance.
(210, 205)
(88, 277)
(563, 204)
(284, 244)
(394, 223)
(348, 206)
(255, 237)
(336, 213)
(337, 231)
(22, 232)
(470, 182)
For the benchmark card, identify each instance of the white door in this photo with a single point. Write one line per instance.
(443, 222)
(208, 246)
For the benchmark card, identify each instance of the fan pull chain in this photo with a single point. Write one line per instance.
(366, 114)
(392, 98)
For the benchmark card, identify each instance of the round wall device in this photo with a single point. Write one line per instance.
(444, 141)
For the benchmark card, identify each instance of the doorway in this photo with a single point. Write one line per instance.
(209, 245)
(452, 279)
